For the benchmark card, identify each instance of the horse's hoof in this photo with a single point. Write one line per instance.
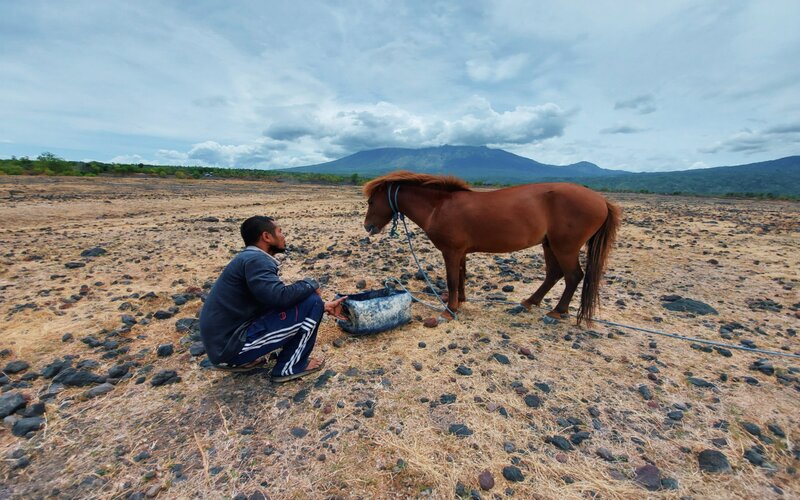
(518, 309)
(549, 320)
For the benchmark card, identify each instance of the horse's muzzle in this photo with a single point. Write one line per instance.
(371, 229)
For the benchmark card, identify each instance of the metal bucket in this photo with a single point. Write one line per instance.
(375, 311)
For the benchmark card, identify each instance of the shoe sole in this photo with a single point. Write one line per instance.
(287, 378)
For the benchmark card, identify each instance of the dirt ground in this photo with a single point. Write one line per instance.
(385, 420)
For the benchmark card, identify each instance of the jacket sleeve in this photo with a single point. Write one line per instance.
(268, 289)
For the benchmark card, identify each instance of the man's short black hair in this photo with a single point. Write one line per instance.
(253, 227)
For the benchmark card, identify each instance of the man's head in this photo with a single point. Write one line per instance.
(262, 231)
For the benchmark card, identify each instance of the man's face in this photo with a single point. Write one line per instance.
(277, 242)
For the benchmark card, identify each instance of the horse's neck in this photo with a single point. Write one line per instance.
(418, 204)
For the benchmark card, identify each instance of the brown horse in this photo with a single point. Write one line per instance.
(562, 217)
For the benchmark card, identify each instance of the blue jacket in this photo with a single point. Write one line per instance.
(248, 287)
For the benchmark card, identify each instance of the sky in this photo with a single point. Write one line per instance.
(632, 85)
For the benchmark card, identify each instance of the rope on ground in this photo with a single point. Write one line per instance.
(657, 332)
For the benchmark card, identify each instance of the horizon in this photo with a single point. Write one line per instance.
(624, 86)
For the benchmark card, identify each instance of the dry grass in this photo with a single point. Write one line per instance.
(153, 234)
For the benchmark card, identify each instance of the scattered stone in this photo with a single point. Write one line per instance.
(430, 322)
(533, 401)
(501, 358)
(775, 429)
(486, 480)
(669, 483)
(513, 474)
(11, 402)
(165, 377)
(299, 432)
(645, 392)
(94, 252)
(446, 399)
(463, 370)
(459, 430)
(713, 461)
(751, 428)
(197, 349)
(688, 305)
(699, 382)
(16, 366)
(579, 437)
(98, 390)
(648, 476)
(23, 426)
(559, 442)
(165, 350)
(34, 410)
(162, 314)
(74, 265)
(605, 454)
(361, 284)
(78, 378)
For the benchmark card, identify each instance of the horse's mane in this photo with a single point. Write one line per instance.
(443, 182)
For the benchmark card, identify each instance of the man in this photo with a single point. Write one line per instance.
(250, 312)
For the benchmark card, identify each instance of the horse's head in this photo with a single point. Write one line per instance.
(379, 213)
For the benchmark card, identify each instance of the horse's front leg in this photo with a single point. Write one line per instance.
(452, 263)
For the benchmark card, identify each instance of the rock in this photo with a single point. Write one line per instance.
(486, 480)
(165, 377)
(751, 428)
(298, 432)
(118, 371)
(165, 350)
(545, 388)
(689, 305)
(645, 392)
(34, 410)
(162, 314)
(55, 367)
(98, 390)
(579, 437)
(463, 370)
(25, 425)
(16, 366)
(508, 288)
(675, 415)
(775, 429)
(754, 456)
(605, 454)
(459, 430)
(501, 358)
(430, 322)
(446, 399)
(669, 483)
(713, 461)
(648, 476)
(513, 474)
(533, 401)
(559, 442)
(361, 284)
(699, 382)
(187, 325)
(74, 265)
(78, 378)
(11, 402)
(338, 342)
(94, 252)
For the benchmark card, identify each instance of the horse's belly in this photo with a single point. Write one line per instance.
(507, 240)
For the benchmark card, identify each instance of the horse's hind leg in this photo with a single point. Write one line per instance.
(573, 274)
(553, 273)
(462, 296)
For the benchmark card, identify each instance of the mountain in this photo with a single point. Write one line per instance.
(779, 177)
(468, 162)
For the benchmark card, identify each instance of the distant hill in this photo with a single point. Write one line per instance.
(473, 163)
(775, 177)
(494, 166)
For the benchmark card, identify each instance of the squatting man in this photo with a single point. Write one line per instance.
(251, 313)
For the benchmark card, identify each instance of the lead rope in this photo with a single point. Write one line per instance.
(398, 216)
(657, 332)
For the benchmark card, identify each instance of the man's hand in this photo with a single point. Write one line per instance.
(334, 308)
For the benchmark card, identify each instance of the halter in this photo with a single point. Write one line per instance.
(397, 215)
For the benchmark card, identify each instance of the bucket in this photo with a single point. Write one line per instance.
(375, 311)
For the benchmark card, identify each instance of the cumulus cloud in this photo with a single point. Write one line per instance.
(642, 104)
(789, 128)
(623, 129)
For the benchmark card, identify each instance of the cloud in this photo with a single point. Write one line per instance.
(623, 129)
(490, 70)
(792, 128)
(642, 104)
(746, 142)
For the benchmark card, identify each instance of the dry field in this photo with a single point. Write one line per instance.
(380, 422)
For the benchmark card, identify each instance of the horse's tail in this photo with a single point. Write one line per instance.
(597, 250)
